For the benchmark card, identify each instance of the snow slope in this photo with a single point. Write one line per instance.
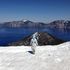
(46, 58)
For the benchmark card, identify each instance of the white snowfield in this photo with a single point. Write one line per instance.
(46, 58)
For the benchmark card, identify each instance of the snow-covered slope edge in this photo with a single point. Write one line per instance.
(46, 58)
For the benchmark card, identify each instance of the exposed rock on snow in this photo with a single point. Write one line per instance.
(46, 58)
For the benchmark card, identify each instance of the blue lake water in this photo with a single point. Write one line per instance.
(59, 34)
(8, 35)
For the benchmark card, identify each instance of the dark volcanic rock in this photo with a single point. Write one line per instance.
(43, 39)
(47, 39)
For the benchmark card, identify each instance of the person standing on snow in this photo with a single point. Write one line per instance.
(34, 42)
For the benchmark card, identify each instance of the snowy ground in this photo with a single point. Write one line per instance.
(46, 58)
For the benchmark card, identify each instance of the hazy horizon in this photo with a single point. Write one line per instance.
(34, 10)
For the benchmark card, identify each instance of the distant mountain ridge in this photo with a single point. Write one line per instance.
(60, 24)
(22, 23)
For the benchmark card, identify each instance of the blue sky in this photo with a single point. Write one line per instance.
(35, 10)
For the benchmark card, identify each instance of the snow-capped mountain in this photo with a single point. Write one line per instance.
(24, 20)
(22, 23)
(61, 24)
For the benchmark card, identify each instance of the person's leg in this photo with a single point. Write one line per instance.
(33, 49)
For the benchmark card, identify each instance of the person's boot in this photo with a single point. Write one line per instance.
(33, 50)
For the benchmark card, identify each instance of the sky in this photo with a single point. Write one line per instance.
(34, 10)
